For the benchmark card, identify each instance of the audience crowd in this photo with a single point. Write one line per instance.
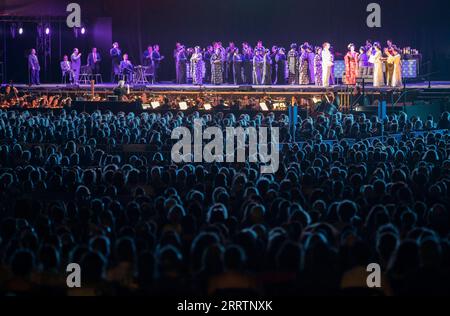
(353, 191)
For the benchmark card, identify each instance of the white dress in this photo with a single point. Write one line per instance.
(397, 76)
(327, 63)
(378, 78)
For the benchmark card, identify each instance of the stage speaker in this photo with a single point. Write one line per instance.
(113, 98)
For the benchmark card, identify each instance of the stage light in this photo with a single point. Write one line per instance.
(83, 31)
(264, 107)
(20, 30)
(183, 106)
(207, 106)
(47, 31)
(155, 105)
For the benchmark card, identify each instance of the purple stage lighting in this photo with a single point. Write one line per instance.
(83, 30)
(47, 30)
(21, 31)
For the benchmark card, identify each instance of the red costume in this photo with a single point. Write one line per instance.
(351, 67)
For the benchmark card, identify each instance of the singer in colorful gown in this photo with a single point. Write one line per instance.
(318, 67)
(397, 73)
(304, 67)
(197, 67)
(378, 77)
(258, 68)
(216, 68)
(351, 65)
(292, 62)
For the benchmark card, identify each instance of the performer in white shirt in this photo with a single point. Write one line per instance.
(66, 68)
(327, 64)
(76, 64)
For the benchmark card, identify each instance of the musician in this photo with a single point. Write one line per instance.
(93, 61)
(126, 68)
(76, 64)
(157, 58)
(147, 57)
(116, 55)
(34, 68)
(66, 68)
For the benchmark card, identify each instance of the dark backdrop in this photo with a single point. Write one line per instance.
(135, 23)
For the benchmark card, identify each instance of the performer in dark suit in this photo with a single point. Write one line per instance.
(34, 68)
(207, 60)
(93, 61)
(157, 58)
(181, 66)
(127, 68)
(116, 55)
(66, 68)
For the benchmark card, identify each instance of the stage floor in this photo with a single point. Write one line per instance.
(168, 87)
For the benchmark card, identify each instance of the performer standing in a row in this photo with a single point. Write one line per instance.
(378, 77)
(280, 66)
(267, 68)
(157, 58)
(351, 65)
(327, 65)
(303, 66)
(318, 67)
(207, 61)
(229, 78)
(181, 62)
(248, 63)
(197, 67)
(116, 55)
(238, 59)
(76, 64)
(216, 68)
(292, 61)
(397, 73)
(258, 67)
(389, 52)
(93, 61)
(34, 68)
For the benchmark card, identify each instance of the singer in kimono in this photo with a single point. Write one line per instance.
(351, 65)
(280, 67)
(267, 68)
(378, 77)
(292, 63)
(181, 62)
(258, 68)
(34, 68)
(197, 66)
(318, 67)
(238, 59)
(397, 73)
(216, 68)
(327, 65)
(304, 66)
(311, 57)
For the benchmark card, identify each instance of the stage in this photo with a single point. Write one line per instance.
(168, 88)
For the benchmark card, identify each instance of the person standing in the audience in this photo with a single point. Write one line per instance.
(34, 68)
(116, 56)
(327, 64)
(378, 78)
(76, 64)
